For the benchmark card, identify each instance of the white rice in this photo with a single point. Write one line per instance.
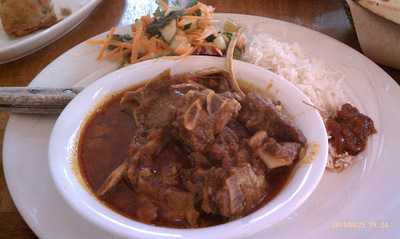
(322, 85)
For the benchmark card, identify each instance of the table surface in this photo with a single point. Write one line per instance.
(326, 16)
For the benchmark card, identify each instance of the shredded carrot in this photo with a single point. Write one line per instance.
(188, 53)
(182, 49)
(118, 55)
(151, 45)
(106, 43)
(204, 23)
(144, 46)
(146, 20)
(207, 44)
(158, 44)
(182, 22)
(195, 35)
(197, 32)
(136, 41)
(206, 10)
(192, 9)
(193, 17)
(161, 43)
(154, 45)
(148, 56)
(95, 42)
(111, 54)
(121, 44)
(195, 40)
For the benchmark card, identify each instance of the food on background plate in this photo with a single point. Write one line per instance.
(188, 150)
(22, 17)
(195, 30)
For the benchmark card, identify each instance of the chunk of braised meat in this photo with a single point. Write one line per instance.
(155, 143)
(179, 205)
(159, 180)
(241, 131)
(173, 204)
(156, 103)
(229, 192)
(212, 184)
(223, 152)
(147, 211)
(272, 153)
(199, 160)
(242, 191)
(170, 162)
(152, 106)
(194, 127)
(163, 169)
(258, 113)
(204, 184)
(245, 153)
(201, 116)
(349, 130)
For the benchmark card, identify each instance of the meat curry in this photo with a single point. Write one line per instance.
(188, 151)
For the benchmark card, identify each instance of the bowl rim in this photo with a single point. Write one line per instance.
(116, 224)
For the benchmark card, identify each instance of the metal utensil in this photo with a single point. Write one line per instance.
(28, 100)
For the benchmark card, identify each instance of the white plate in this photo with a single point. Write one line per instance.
(15, 48)
(362, 202)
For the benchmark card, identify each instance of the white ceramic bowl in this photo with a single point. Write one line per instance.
(66, 132)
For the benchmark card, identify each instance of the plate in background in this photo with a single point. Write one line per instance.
(14, 48)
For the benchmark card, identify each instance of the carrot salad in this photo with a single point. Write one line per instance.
(171, 31)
